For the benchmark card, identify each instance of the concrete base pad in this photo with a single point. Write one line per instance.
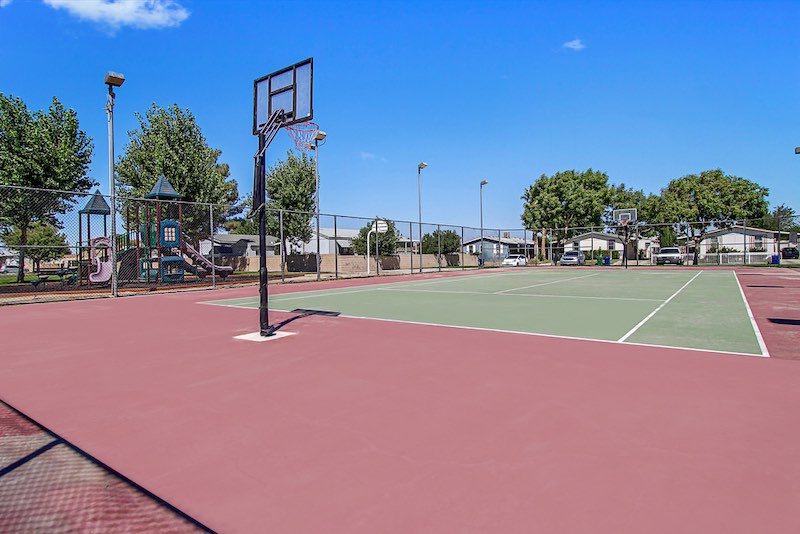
(258, 338)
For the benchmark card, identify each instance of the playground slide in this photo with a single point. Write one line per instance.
(103, 272)
(104, 268)
(201, 261)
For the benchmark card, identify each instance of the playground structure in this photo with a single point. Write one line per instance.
(152, 249)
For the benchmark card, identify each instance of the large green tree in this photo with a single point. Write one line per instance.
(169, 142)
(387, 241)
(781, 218)
(449, 241)
(290, 187)
(567, 199)
(39, 149)
(44, 242)
(698, 203)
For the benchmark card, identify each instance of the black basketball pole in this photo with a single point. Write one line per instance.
(261, 201)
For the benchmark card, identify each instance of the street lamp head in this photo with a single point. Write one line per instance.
(421, 165)
(797, 150)
(320, 136)
(114, 79)
(484, 182)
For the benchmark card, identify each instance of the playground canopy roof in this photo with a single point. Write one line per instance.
(163, 190)
(96, 205)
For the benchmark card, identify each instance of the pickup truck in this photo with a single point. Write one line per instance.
(669, 255)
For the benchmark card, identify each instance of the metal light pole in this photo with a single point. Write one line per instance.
(320, 136)
(112, 80)
(421, 166)
(481, 257)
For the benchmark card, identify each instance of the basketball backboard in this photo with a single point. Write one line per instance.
(289, 89)
(624, 216)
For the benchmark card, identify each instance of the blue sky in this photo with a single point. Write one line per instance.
(502, 90)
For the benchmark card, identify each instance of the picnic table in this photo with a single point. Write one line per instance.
(66, 276)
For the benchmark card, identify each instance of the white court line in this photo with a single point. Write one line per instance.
(514, 294)
(537, 334)
(759, 337)
(368, 287)
(545, 283)
(652, 313)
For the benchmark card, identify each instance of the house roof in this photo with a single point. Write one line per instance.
(341, 233)
(5, 253)
(502, 240)
(163, 190)
(96, 205)
(230, 239)
(739, 229)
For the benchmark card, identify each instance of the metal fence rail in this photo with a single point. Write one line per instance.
(58, 244)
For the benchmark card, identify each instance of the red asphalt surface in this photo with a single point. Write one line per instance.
(372, 426)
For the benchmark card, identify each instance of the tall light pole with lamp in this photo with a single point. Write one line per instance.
(421, 166)
(483, 183)
(112, 80)
(319, 136)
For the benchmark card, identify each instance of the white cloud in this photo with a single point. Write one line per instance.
(575, 44)
(4, 3)
(142, 14)
(369, 156)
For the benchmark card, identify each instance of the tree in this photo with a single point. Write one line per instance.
(450, 242)
(242, 224)
(43, 241)
(782, 218)
(169, 142)
(40, 149)
(711, 199)
(387, 241)
(290, 187)
(567, 199)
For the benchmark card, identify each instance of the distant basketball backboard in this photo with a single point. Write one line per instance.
(288, 89)
(624, 216)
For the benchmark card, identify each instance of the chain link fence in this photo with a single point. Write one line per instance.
(766, 241)
(60, 244)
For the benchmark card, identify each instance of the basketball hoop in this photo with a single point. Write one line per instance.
(303, 134)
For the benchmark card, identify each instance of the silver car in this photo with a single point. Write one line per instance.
(669, 255)
(572, 257)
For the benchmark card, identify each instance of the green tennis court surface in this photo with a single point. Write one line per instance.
(680, 308)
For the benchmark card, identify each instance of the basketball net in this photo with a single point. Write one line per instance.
(303, 135)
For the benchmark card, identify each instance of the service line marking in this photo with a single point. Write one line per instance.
(759, 337)
(401, 290)
(545, 283)
(652, 313)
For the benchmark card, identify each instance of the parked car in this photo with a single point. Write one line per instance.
(516, 260)
(572, 257)
(9, 269)
(790, 253)
(669, 255)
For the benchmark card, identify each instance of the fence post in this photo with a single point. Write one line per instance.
(377, 249)
(439, 246)
(411, 239)
(744, 236)
(283, 251)
(525, 244)
(319, 253)
(211, 239)
(499, 247)
(463, 266)
(335, 250)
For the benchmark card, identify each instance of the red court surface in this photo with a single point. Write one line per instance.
(372, 426)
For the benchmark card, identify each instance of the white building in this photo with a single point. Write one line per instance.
(756, 243)
(641, 248)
